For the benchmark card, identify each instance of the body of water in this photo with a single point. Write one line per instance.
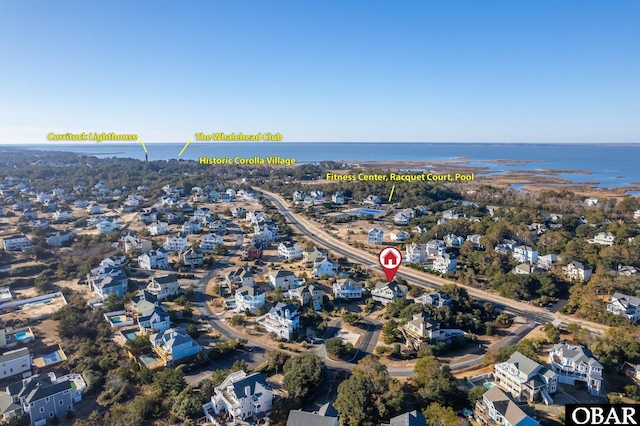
(609, 165)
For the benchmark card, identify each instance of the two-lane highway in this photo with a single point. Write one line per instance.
(532, 313)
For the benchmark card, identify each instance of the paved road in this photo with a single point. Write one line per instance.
(529, 312)
(372, 328)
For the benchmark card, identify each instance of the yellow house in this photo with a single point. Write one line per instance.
(312, 255)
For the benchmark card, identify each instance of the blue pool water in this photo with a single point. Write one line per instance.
(372, 212)
(487, 385)
(22, 335)
(131, 335)
(147, 359)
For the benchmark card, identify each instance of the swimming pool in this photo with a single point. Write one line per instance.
(51, 358)
(488, 385)
(148, 359)
(372, 212)
(22, 335)
(131, 335)
(116, 320)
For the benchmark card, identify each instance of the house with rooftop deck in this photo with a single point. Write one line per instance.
(281, 319)
(436, 298)
(575, 363)
(249, 298)
(347, 289)
(241, 277)
(241, 397)
(173, 345)
(43, 397)
(154, 259)
(525, 378)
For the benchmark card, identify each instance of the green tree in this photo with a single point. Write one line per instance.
(302, 376)
(187, 404)
(353, 402)
(350, 317)
(436, 382)
(475, 394)
(170, 381)
(439, 415)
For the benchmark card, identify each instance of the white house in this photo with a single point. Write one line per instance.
(289, 250)
(94, 209)
(636, 214)
(401, 219)
(338, 198)
(374, 236)
(388, 292)
(547, 261)
(249, 299)
(241, 277)
(436, 248)
(15, 362)
(283, 279)
(574, 363)
(436, 298)
(399, 236)
(577, 271)
(175, 243)
(623, 304)
(15, 242)
(424, 328)
(591, 201)
(347, 289)
(105, 227)
(241, 397)
(372, 200)
(210, 241)
(306, 294)
(445, 263)
(158, 228)
(475, 239)
(452, 240)
(324, 267)
(415, 253)
(164, 285)
(525, 254)
(525, 378)
(192, 258)
(281, 319)
(191, 227)
(62, 215)
(154, 259)
(154, 319)
(603, 238)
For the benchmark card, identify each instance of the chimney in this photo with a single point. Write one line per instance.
(247, 391)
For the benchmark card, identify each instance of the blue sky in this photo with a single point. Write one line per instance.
(495, 71)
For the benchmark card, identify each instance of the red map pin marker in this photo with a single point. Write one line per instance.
(390, 259)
